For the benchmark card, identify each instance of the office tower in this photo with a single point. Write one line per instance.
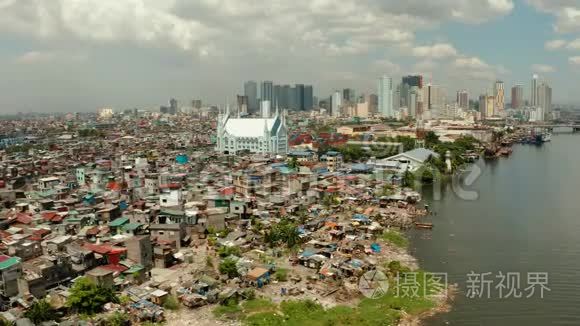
(267, 91)
(534, 90)
(544, 98)
(397, 98)
(251, 91)
(374, 98)
(336, 103)
(172, 106)
(196, 104)
(385, 90)
(292, 98)
(435, 97)
(300, 96)
(308, 97)
(278, 102)
(242, 103)
(482, 103)
(285, 100)
(416, 80)
(265, 106)
(489, 106)
(517, 97)
(498, 93)
(348, 95)
(412, 101)
(463, 99)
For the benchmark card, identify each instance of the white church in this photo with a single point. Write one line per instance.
(258, 135)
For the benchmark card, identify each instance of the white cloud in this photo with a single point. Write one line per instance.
(555, 44)
(387, 66)
(33, 57)
(574, 45)
(542, 68)
(436, 51)
(567, 13)
(471, 63)
(574, 60)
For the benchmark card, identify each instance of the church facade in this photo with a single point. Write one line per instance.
(257, 135)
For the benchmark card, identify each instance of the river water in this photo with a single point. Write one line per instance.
(526, 220)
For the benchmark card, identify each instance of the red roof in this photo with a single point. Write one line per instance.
(4, 258)
(227, 191)
(99, 249)
(23, 218)
(49, 216)
(115, 268)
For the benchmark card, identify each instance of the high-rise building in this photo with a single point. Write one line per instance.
(406, 84)
(196, 104)
(517, 97)
(435, 96)
(308, 97)
(481, 104)
(251, 91)
(348, 95)
(385, 90)
(463, 99)
(489, 106)
(544, 98)
(374, 99)
(336, 104)
(300, 96)
(242, 103)
(172, 106)
(267, 91)
(499, 94)
(534, 90)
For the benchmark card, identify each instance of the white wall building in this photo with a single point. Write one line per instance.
(257, 135)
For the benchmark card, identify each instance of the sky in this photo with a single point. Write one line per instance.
(79, 55)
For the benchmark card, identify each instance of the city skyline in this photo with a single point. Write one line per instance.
(59, 56)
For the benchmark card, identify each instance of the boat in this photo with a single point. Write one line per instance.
(546, 137)
(428, 226)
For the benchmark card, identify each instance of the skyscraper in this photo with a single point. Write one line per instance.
(463, 99)
(308, 97)
(336, 104)
(544, 99)
(517, 97)
(242, 102)
(251, 91)
(267, 91)
(385, 90)
(348, 95)
(498, 93)
(300, 96)
(534, 91)
(436, 97)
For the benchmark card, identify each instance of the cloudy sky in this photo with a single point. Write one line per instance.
(78, 55)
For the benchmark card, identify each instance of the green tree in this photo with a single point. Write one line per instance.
(86, 297)
(408, 179)
(431, 139)
(228, 267)
(40, 311)
(293, 163)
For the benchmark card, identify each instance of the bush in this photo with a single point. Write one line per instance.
(228, 267)
(281, 275)
(40, 311)
(118, 319)
(171, 303)
(224, 251)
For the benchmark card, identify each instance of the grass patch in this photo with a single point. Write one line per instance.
(281, 275)
(258, 306)
(230, 310)
(386, 310)
(396, 238)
